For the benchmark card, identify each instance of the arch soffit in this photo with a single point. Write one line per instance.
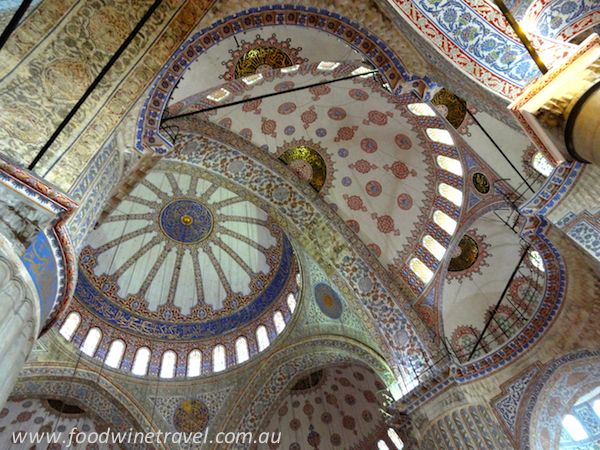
(286, 365)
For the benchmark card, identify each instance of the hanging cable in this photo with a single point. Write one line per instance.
(14, 22)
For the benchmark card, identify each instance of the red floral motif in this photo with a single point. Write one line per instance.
(319, 91)
(375, 249)
(24, 416)
(247, 133)
(368, 145)
(4, 413)
(369, 396)
(405, 202)
(252, 105)
(355, 203)
(367, 416)
(309, 116)
(308, 409)
(286, 108)
(349, 423)
(268, 127)
(363, 166)
(336, 114)
(284, 86)
(400, 170)
(403, 141)
(354, 225)
(378, 118)
(374, 188)
(385, 224)
(225, 123)
(345, 133)
(358, 94)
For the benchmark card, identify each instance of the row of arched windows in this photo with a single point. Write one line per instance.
(450, 193)
(169, 358)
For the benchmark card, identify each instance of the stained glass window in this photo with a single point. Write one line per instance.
(381, 445)
(451, 193)
(327, 65)
(279, 322)
(298, 279)
(434, 247)
(70, 326)
(219, 95)
(421, 109)
(445, 222)
(541, 164)
(241, 350)
(262, 337)
(219, 358)
(291, 301)
(536, 260)
(421, 270)
(251, 79)
(194, 367)
(91, 342)
(115, 353)
(364, 70)
(439, 135)
(574, 428)
(140, 362)
(167, 367)
(450, 164)
(395, 438)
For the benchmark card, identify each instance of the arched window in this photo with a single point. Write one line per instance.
(536, 260)
(451, 193)
(262, 337)
(421, 109)
(298, 279)
(574, 428)
(91, 342)
(327, 65)
(445, 222)
(291, 301)
(381, 445)
(421, 270)
(219, 358)
(434, 247)
(241, 350)
(596, 407)
(167, 367)
(395, 438)
(541, 164)
(70, 326)
(279, 322)
(140, 362)
(439, 135)
(450, 164)
(115, 353)
(219, 95)
(194, 367)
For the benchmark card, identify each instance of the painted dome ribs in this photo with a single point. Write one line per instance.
(143, 201)
(218, 268)
(173, 182)
(160, 194)
(244, 239)
(143, 216)
(197, 275)
(223, 203)
(193, 185)
(235, 256)
(137, 255)
(125, 237)
(150, 277)
(175, 277)
(208, 193)
(225, 218)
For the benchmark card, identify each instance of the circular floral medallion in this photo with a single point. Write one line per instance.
(191, 416)
(328, 301)
(405, 202)
(186, 221)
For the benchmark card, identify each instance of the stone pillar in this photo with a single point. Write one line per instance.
(19, 317)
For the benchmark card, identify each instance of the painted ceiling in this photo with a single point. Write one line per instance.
(380, 171)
